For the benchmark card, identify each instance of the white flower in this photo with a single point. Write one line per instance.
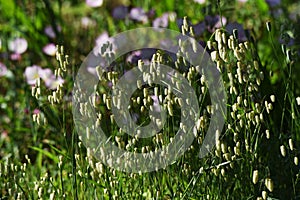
(102, 38)
(18, 45)
(32, 74)
(46, 75)
(50, 49)
(94, 3)
(200, 1)
(87, 22)
(156, 105)
(53, 82)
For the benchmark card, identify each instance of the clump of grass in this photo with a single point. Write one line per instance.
(256, 154)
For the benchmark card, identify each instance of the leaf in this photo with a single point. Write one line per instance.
(46, 153)
(59, 151)
(262, 6)
(7, 8)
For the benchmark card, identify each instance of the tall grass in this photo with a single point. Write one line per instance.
(256, 156)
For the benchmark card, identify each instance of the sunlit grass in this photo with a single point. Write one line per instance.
(255, 157)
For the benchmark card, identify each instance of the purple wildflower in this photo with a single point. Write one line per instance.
(162, 21)
(36, 111)
(221, 21)
(151, 13)
(3, 69)
(120, 12)
(15, 56)
(102, 38)
(138, 14)
(50, 32)
(241, 32)
(180, 23)
(143, 54)
(273, 3)
(214, 22)
(199, 28)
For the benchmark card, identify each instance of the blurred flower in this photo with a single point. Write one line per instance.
(134, 57)
(87, 22)
(210, 23)
(162, 21)
(102, 38)
(221, 21)
(143, 54)
(36, 111)
(179, 23)
(32, 74)
(241, 32)
(120, 12)
(214, 22)
(199, 28)
(46, 75)
(199, 1)
(50, 49)
(276, 12)
(138, 14)
(3, 69)
(4, 135)
(18, 45)
(151, 13)
(242, 1)
(53, 82)
(99, 52)
(211, 20)
(50, 32)
(92, 70)
(156, 104)
(273, 3)
(15, 56)
(26, 111)
(94, 3)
